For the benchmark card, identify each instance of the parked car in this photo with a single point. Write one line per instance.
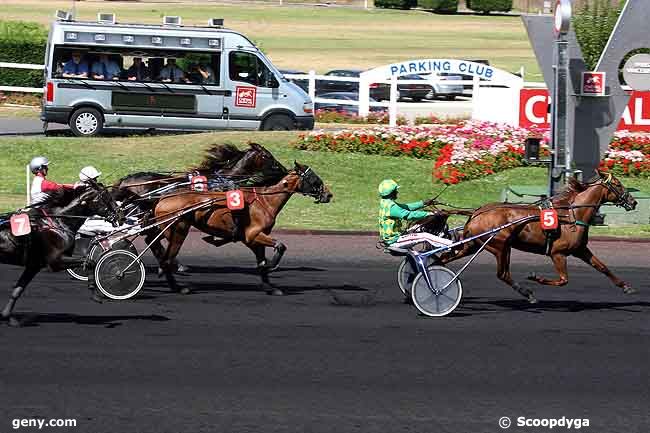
(344, 108)
(440, 89)
(415, 92)
(378, 91)
(302, 83)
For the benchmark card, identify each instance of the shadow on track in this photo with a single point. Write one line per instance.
(475, 304)
(235, 270)
(34, 319)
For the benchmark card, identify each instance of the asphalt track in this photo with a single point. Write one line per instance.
(231, 359)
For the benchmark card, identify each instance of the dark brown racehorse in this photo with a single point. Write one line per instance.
(255, 166)
(255, 221)
(575, 207)
(54, 224)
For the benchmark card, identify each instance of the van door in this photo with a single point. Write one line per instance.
(254, 89)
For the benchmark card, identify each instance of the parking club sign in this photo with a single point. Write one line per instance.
(246, 97)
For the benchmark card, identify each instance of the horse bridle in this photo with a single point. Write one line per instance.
(312, 184)
(622, 198)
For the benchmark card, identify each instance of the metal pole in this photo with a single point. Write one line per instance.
(561, 160)
(392, 107)
(29, 197)
(74, 9)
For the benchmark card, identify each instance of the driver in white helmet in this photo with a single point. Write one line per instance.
(93, 226)
(42, 187)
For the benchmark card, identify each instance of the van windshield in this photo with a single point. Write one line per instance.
(135, 64)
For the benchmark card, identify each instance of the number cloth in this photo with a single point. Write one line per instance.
(391, 215)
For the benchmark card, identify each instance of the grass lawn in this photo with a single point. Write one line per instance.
(352, 178)
(327, 38)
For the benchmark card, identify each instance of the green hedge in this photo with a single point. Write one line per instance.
(440, 6)
(487, 6)
(395, 4)
(22, 42)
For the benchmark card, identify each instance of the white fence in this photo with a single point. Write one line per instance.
(21, 66)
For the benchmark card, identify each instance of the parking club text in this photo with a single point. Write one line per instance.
(429, 66)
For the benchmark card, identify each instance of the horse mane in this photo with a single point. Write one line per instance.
(574, 185)
(220, 156)
(60, 197)
(139, 174)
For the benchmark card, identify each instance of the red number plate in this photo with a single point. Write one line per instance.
(548, 219)
(20, 224)
(235, 199)
(199, 184)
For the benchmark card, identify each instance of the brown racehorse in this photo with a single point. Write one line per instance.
(254, 223)
(575, 208)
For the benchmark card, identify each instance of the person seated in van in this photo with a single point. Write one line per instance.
(75, 67)
(105, 69)
(172, 73)
(138, 71)
(202, 73)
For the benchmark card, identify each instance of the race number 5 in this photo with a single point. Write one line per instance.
(548, 219)
(20, 224)
(235, 199)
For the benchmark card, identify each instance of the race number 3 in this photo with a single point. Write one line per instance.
(235, 199)
(20, 224)
(548, 219)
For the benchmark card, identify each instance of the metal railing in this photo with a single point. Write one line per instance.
(21, 66)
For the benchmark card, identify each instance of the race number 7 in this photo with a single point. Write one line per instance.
(20, 224)
(548, 219)
(235, 199)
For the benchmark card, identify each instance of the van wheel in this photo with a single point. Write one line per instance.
(86, 122)
(278, 122)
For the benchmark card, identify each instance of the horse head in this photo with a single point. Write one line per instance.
(615, 191)
(93, 198)
(311, 184)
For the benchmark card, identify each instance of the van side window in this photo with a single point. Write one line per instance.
(248, 68)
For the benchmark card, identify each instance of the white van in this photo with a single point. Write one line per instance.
(103, 74)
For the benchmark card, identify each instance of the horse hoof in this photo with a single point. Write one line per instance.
(532, 276)
(408, 300)
(532, 299)
(185, 291)
(96, 297)
(629, 290)
(182, 269)
(160, 273)
(14, 323)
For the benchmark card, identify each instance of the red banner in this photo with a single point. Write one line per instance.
(533, 110)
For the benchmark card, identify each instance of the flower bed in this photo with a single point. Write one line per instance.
(462, 151)
(471, 149)
(628, 155)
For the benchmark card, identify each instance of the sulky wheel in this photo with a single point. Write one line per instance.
(435, 301)
(119, 274)
(81, 272)
(406, 273)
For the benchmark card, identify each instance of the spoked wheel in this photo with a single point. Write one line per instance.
(406, 274)
(436, 301)
(119, 274)
(81, 272)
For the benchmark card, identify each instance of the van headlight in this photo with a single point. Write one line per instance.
(308, 107)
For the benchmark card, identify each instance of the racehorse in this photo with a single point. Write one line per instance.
(54, 224)
(255, 221)
(255, 166)
(578, 203)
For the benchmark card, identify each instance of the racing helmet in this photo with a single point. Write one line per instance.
(387, 186)
(88, 173)
(37, 163)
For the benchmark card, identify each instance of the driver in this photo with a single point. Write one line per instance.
(93, 226)
(41, 187)
(392, 213)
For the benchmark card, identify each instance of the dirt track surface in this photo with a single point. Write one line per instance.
(231, 359)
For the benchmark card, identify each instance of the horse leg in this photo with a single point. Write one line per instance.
(502, 255)
(587, 256)
(175, 239)
(559, 261)
(159, 251)
(28, 274)
(258, 244)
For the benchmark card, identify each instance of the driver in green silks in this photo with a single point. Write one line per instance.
(392, 214)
